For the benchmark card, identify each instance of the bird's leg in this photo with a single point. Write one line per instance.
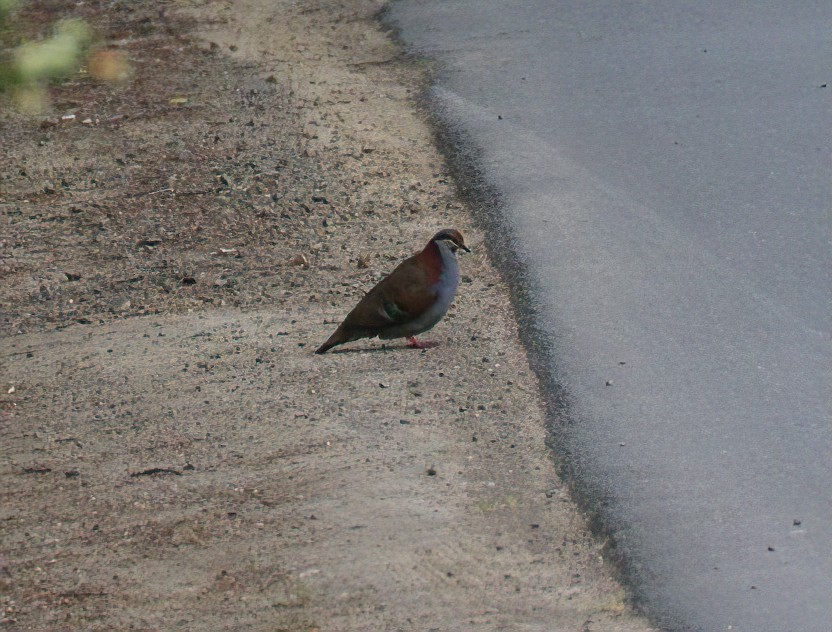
(413, 343)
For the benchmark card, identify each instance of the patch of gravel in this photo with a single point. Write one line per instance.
(172, 454)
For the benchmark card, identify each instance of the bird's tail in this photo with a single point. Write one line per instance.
(338, 338)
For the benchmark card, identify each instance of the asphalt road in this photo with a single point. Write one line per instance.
(664, 176)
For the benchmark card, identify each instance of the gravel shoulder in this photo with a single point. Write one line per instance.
(172, 454)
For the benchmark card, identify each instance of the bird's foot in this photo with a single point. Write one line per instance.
(413, 343)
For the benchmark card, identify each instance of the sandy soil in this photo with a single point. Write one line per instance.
(172, 454)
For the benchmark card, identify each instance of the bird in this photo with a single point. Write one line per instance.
(410, 300)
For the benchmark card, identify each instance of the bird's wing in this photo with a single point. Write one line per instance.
(400, 297)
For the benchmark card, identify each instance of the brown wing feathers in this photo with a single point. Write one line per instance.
(402, 296)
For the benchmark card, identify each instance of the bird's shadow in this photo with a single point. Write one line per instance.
(382, 349)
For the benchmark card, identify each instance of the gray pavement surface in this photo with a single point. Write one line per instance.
(664, 175)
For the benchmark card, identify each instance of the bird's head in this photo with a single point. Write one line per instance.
(452, 239)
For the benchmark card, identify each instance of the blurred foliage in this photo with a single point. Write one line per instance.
(56, 56)
(6, 7)
(27, 66)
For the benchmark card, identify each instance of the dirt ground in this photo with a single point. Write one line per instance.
(172, 454)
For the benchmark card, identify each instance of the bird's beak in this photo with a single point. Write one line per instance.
(465, 248)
